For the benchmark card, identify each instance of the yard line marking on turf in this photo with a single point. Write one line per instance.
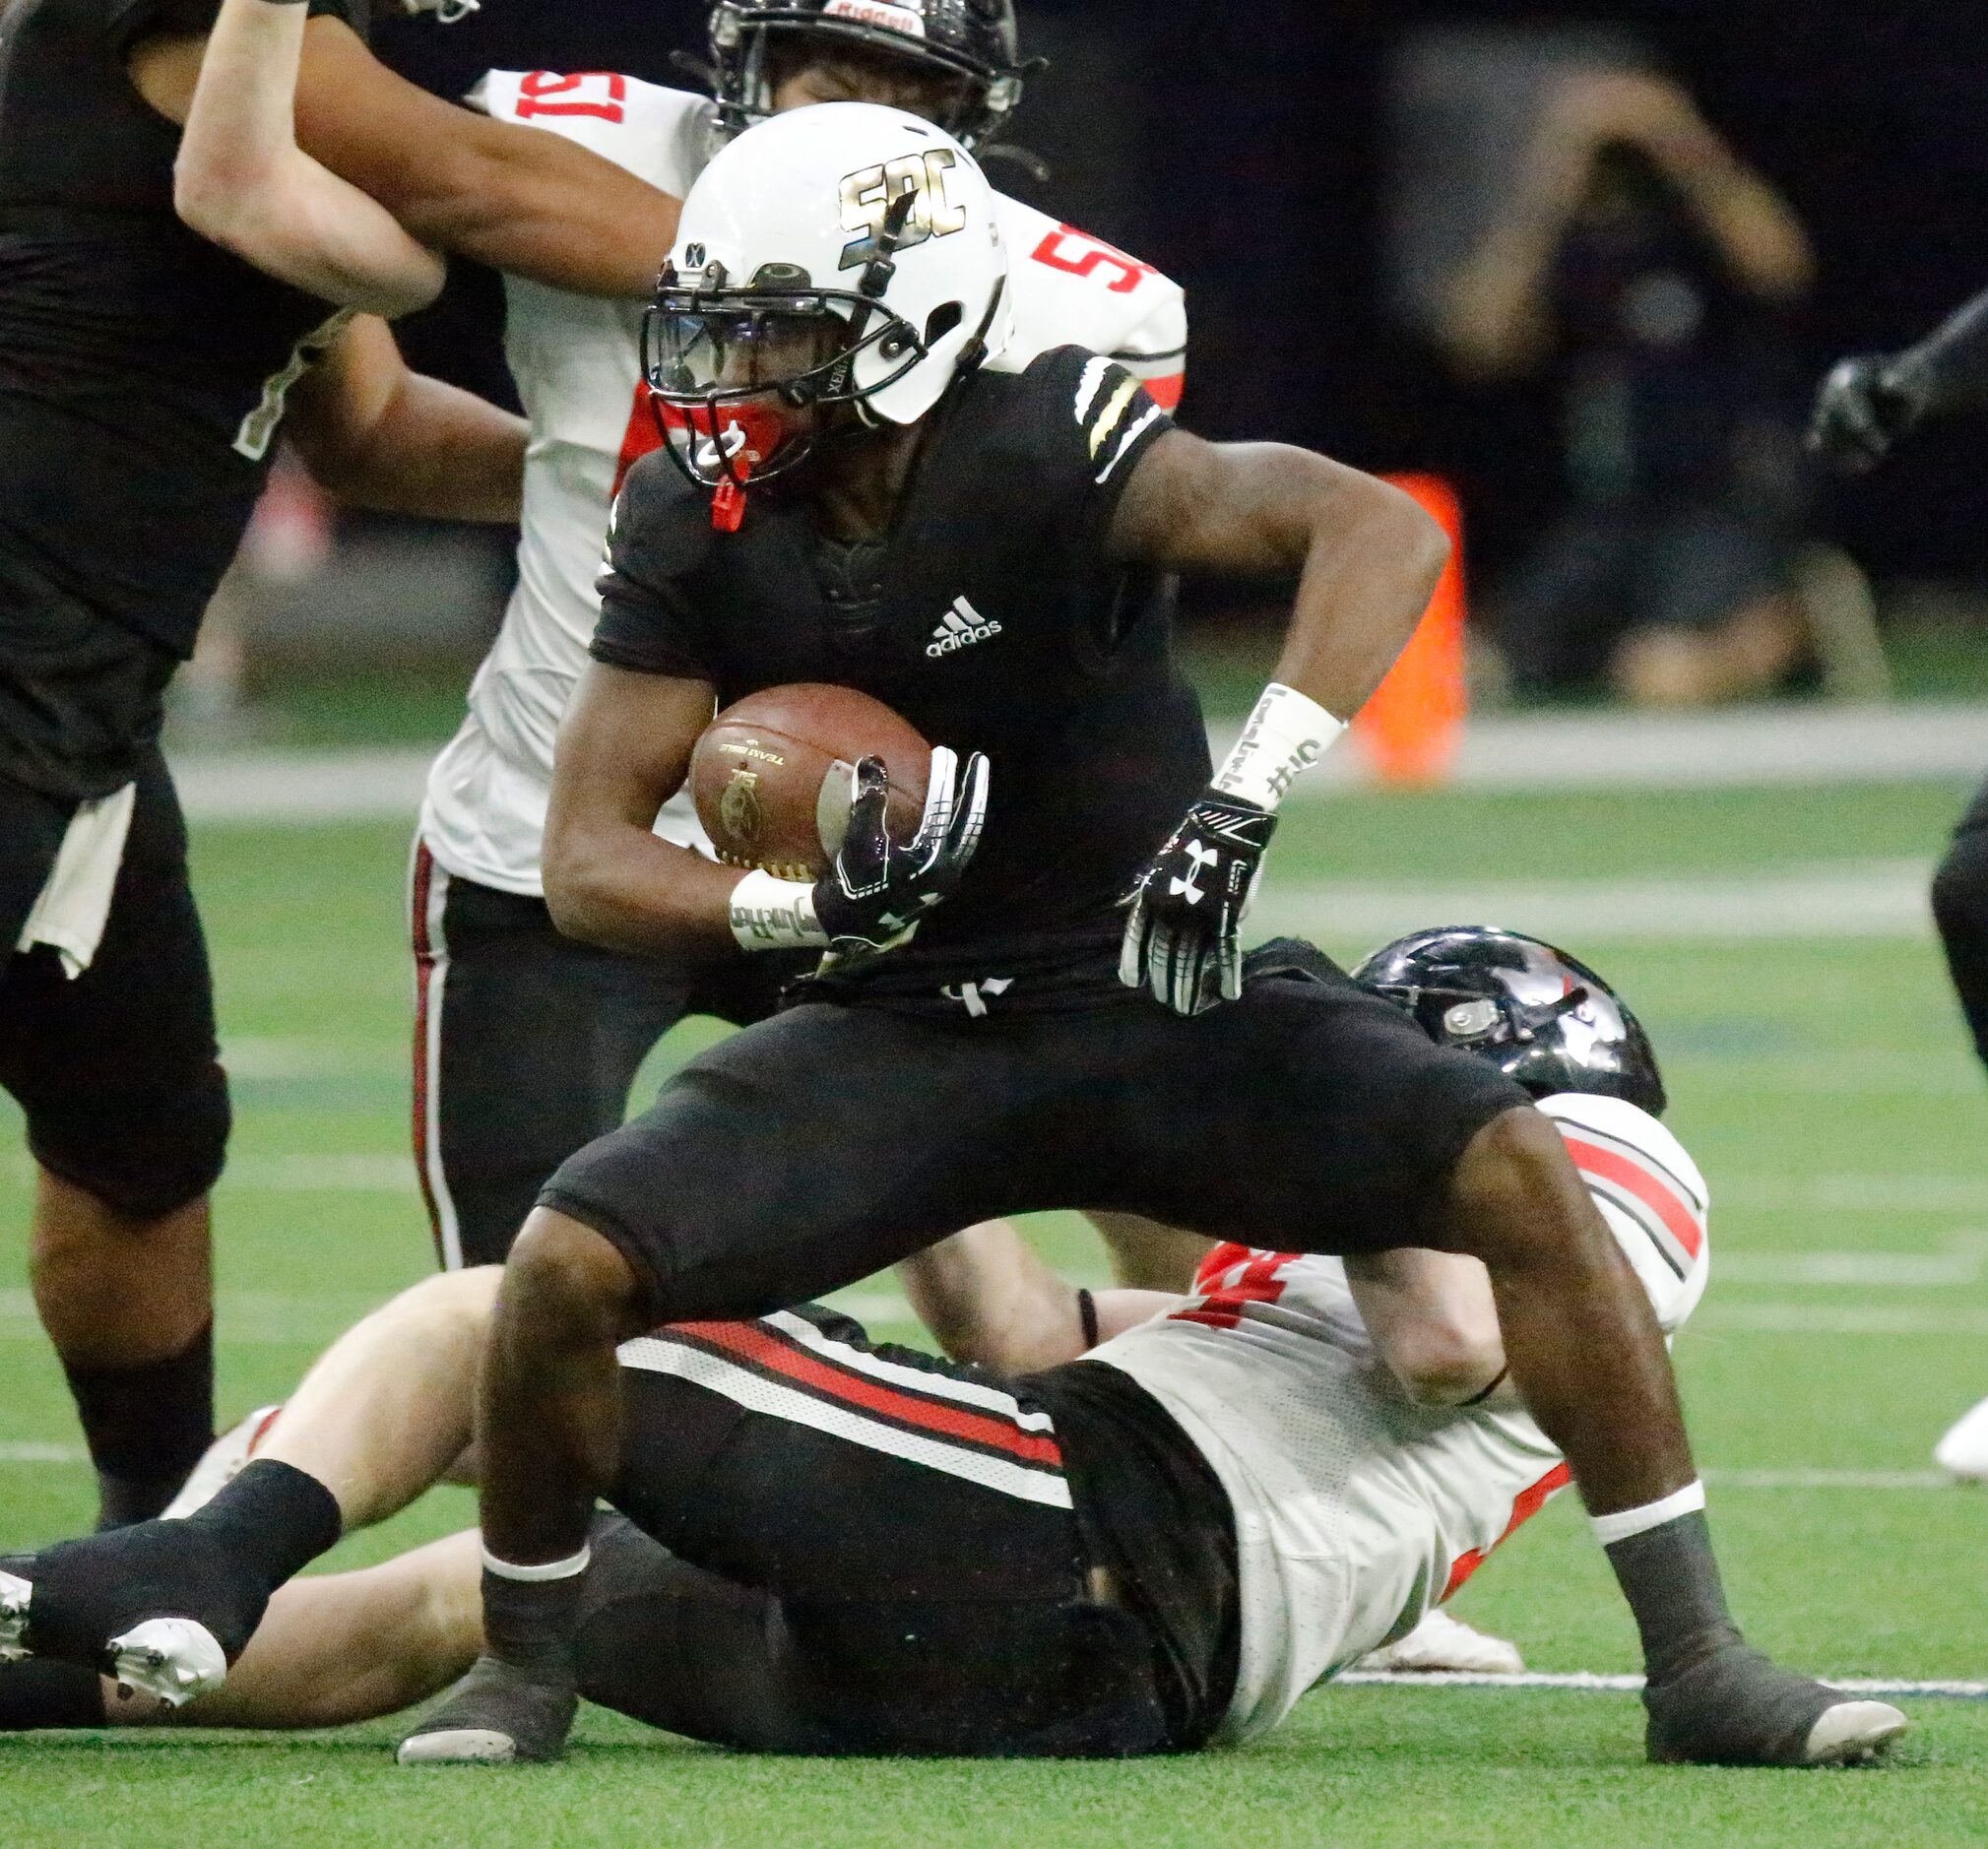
(1585, 1683)
(1961, 1263)
(1771, 1319)
(1830, 1479)
(34, 1452)
(1840, 899)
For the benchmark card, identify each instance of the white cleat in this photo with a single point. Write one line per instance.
(1963, 1451)
(1442, 1643)
(222, 1463)
(1853, 1733)
(458, 1746)
(15, 1594)
(172, 1659)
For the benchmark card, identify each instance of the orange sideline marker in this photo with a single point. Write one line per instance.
(1411, 728)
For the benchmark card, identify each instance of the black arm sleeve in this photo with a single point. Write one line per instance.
(657, 537)
(1948, 369)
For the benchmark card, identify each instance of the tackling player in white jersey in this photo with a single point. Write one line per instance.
(868, 1552)
(527, 1043)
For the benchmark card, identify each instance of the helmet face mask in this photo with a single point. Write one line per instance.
(1540, 1016)
(834, 265)
(969, 44)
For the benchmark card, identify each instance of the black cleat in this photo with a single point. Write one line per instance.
(159, 1606)
(1735, 1707)
(497, 1715)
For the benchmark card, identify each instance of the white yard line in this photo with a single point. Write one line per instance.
(1775, 747)
(1584, 1683)
(1842, 899)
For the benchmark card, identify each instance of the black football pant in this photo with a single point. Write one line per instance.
(834, 1140)
(1960, 906)
(116, 1069)
(862, 1550)
(526, 1045)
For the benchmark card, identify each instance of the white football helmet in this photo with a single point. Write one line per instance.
(839, 254)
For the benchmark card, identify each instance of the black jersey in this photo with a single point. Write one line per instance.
(998, 625)
(142, 368)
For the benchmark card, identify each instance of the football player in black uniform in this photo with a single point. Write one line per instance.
(143, 374)
(838, 278)
(1866, 404)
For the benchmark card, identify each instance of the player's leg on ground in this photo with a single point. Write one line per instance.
(117, 1074)
(1586, 1353)
(379, 1419)
(332, 1649)
(1148, 1257)
(526, 1044)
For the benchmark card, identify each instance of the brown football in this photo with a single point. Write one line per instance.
(761, 775)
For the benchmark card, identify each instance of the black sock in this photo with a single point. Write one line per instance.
(41, 1692)
(530, 1623)
(273, 1519)
(146, 1428)
(1672, 1583)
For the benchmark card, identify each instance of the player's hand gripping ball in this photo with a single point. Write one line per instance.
(772, 775)
(1182, 939)
(880, 889)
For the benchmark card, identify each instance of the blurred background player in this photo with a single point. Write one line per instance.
(527, 1042)
(1864, 407)
(787, 1615)
(1650, 272)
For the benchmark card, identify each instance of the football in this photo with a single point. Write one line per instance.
(770, 776)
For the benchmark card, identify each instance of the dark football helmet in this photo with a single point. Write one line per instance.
(1536, 1013)
(974, 40)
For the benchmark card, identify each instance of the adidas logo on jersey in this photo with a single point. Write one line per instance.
(960, 628)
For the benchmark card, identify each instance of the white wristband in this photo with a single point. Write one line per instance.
(1285, 736)
(769, 913)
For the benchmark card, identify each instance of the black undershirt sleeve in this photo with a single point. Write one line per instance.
(649, 622)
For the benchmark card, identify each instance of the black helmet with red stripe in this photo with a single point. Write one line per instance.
(1537, 1014)
(970, 41)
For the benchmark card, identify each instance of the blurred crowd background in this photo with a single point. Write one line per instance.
(1586, 262)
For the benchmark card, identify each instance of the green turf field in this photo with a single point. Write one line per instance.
(1824, 1086)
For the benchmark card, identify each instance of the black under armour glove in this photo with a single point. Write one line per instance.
(1864, 407)
(877, 892)
(1181, 940)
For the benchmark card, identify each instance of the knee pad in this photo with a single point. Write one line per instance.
(145, 1155)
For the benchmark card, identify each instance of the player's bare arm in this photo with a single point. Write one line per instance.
(988, 1296)
(1435, 1322)
(383, 437)
(1367, 559)
(530, 204)
(241, 181)
(624, 750)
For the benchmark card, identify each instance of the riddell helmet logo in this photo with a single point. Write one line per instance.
(960, 628)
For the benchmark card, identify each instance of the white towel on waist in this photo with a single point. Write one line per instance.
(71, 909)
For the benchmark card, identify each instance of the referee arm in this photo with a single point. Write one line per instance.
(530, 204)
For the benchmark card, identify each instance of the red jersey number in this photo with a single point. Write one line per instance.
(1077, 253)
(585, 93)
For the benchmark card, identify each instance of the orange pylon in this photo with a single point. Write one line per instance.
(1412, 726)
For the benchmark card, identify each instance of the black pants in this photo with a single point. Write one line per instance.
(117, 1070)
(526, 1044)
(1960, 906)
(835, 1139)
(866, 1550)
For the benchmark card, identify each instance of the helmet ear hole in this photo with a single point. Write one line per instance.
(941, 321)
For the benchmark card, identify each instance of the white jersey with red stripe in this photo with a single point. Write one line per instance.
(1357, 1510)
(578, 370)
